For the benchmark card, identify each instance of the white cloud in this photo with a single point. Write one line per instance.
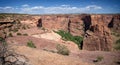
(25, 5)
(37, 8)
(65, 5)
(94, 7)
(6, 9)
(51, 10)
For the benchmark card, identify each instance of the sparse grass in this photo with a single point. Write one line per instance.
(25, 34)
(19, 34)
(118, 41)
(24, 27)
(98, 59)
(115, 34)
(10, 35)
(10, 29)
(117, 45)
(4, 32)
(49, 50)
(69, 37)
(2, 16)
(2, 40)
(15, 30)
(31, 44)
(28, 27)
(62, 49)
(43, 28)
(18, 21)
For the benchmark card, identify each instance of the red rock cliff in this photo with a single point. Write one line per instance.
(98, 35)
(94, 28)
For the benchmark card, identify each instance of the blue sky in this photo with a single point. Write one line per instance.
(59, 6)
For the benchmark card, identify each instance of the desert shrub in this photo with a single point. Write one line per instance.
(10, 29)
(10, 35)
(25, 34)
(49, 50)
(117, 45)
(98, 59)
(3, 42)
(118, 35)
(69, 37)
(115, 34)
(19, 34)
(18, 21)
(42, 28)
(1, 39)
(28, 27)
(118, 41)
(62, 49)
(24, 27)
(31, 44)
(2, 17)
(4, 32)
(15, 30)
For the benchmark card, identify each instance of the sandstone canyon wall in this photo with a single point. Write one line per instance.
(95, 28)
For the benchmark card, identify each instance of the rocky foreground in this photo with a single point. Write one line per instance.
(100, 44)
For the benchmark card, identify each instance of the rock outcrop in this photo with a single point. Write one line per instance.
(95, 28)
(9, 57)
(115, 23)
(76, 26)
(55, 22)
(70, 23)
(98, 36)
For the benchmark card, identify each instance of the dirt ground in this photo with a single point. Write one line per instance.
(76, 56)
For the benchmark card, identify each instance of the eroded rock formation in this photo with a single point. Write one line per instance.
(9, 57)
(98, 36)
(95, 28)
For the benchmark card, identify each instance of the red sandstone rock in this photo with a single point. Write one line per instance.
(100, 39)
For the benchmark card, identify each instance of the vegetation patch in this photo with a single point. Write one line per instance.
(98, 59)
(25, 34)
(19, 34)
(62, 49)
(115, 34)
(31, 44)
(3, 42)
(15, 30)
(118, 41)
(24, 27)
(49, 50)
(10, 35)
(117, 45)
(2, 16)
(69, 37)
(1, 39)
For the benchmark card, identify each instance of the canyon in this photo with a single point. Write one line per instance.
(99, 32)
